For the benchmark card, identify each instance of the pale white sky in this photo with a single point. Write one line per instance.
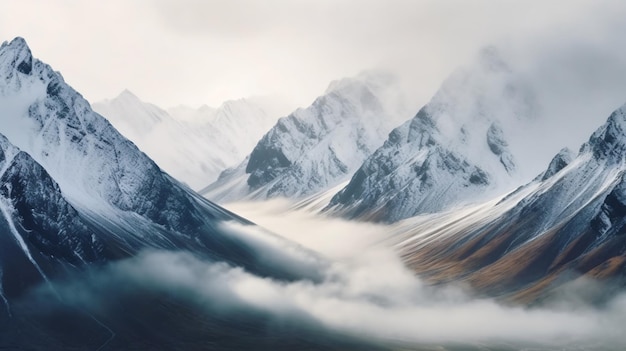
(206, 51)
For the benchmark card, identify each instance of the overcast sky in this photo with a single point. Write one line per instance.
(204, 52)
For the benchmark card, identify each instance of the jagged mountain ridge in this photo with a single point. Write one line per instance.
(316, 148)
(458, 148)
(569, 221)
(193, 145)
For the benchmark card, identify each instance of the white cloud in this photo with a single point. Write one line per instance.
(370, 295)
(333, 237)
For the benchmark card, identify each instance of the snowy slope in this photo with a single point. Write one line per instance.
(569, 221)
(461, 147)
(115, 188)
(94, 165)
(318, 147)
(193, 145)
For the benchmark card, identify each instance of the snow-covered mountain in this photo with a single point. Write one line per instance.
(93, 164)
(77, 198)
(318, 147)
(569, 221)
(192, 145)
(71, 181)
(461, 147)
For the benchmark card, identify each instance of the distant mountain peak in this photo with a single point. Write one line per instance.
(609, 141)
(16, 54)
(560, 161)
(492, 59)
(127, 94)
(371, 78)
(17, 42)
(192, 144)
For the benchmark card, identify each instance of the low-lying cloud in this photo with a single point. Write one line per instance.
(369, 296)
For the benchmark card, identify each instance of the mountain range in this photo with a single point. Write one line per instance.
(93, 231)
(319, 147)
(452, 180)
(192, 145)
(75, 198)
(567, 224)
(461, 151)
(459, 148)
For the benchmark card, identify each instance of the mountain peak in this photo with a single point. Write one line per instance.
(560, 161)
(341, 84)
(127, 95)
(372, 79)
(491, 58)
(457, 148)
(17, 43)
(16, 54)
(316, 148)
(609, 141)
(233, 104)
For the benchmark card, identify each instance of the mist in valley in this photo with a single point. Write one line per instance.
(354, 293)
